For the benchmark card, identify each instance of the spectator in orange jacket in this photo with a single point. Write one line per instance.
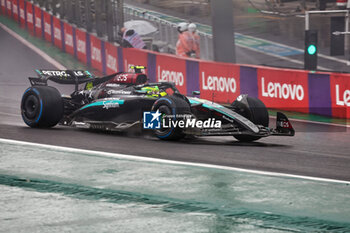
(184, 43)
(192, 29)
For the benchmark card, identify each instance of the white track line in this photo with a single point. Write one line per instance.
(34, 48)
(164, 161)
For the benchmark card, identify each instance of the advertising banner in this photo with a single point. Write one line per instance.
(68, 38)
(48, 26)
(81, 45)
(57, 32)
(284, 89)
(172, 69)
(9, 7)
(22, 13)
(340, 95)
(96, 53)
(38, 21)
(30, 17)
(133, 57)
(219, 82)
(111, 58)
(15, 10)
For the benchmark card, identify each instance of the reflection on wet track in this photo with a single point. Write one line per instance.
(66, 190)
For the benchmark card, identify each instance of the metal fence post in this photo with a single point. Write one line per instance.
(70, 11)
(98, 16)
(77, 19)
(120, 14)
(88, 16)
(109, 20)
(62, 9)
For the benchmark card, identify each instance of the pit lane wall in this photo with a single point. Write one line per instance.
(326, 94)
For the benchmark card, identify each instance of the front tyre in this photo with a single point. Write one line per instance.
(254, 110)
(41, 107)
(171, 106)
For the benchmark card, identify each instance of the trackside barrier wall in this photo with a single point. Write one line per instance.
(38, 22)
(15, 10)
(9, 7)
(326, 94)
(22, 13)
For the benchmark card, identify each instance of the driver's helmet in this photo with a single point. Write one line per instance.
(153, 91)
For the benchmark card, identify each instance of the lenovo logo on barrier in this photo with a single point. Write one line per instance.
(170, 76)
(282, 91)
(47, 28)
(345, 101)
(111, 62)
(37, 22)
(21, 13)
(69, 39)
(223, 84)
(30, 17)
(57, 33)
(81, 46)
(96, 54)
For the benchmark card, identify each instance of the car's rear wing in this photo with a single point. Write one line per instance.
(75, 77)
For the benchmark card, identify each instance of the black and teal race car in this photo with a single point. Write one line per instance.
(126, 100)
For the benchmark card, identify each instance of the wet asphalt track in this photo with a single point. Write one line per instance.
(316, 150)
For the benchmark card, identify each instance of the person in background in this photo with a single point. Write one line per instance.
(192, 29)
(184, 42)
(131, 39)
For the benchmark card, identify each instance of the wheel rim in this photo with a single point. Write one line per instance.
(31, 107)
(164, 110)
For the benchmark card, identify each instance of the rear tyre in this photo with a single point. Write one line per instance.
(171, 105)
(41, 107)
(254, 110)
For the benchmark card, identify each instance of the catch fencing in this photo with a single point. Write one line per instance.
(103, 17)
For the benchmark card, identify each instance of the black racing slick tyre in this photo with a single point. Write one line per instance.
(171, 106)
(254, 110)
(41, 107)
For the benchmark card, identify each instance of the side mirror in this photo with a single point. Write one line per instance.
(196, 92)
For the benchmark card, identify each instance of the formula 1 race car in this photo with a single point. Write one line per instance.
(124, 100)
